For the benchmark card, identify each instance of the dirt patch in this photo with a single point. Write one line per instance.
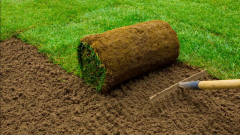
(129, 51)
(37, 97)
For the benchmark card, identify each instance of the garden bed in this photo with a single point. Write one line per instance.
(38, 97)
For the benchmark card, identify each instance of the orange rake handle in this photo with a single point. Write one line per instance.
(216, 84)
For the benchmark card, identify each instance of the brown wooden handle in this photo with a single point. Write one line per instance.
(220, 84)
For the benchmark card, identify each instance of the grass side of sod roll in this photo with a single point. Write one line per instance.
(90, 66)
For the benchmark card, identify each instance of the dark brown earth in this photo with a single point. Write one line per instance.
(129, 51)
(37, 97)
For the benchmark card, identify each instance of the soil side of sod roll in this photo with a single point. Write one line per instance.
(117, 55)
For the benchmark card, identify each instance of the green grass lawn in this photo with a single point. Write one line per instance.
(208, 30)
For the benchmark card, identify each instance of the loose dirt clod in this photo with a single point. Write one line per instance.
(117, 55)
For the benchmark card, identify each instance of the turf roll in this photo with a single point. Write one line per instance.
(117, 55)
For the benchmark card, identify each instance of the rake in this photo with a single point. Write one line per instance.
(189, 84)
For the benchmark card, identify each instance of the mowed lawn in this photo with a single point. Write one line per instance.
(208, 30)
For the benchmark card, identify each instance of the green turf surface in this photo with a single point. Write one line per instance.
(208, 30)
(94, 73)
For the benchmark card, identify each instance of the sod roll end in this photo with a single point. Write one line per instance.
(117, 55)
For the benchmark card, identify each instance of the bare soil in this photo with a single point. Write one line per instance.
(38, 97)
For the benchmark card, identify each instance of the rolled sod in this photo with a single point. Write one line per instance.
(117, 55)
